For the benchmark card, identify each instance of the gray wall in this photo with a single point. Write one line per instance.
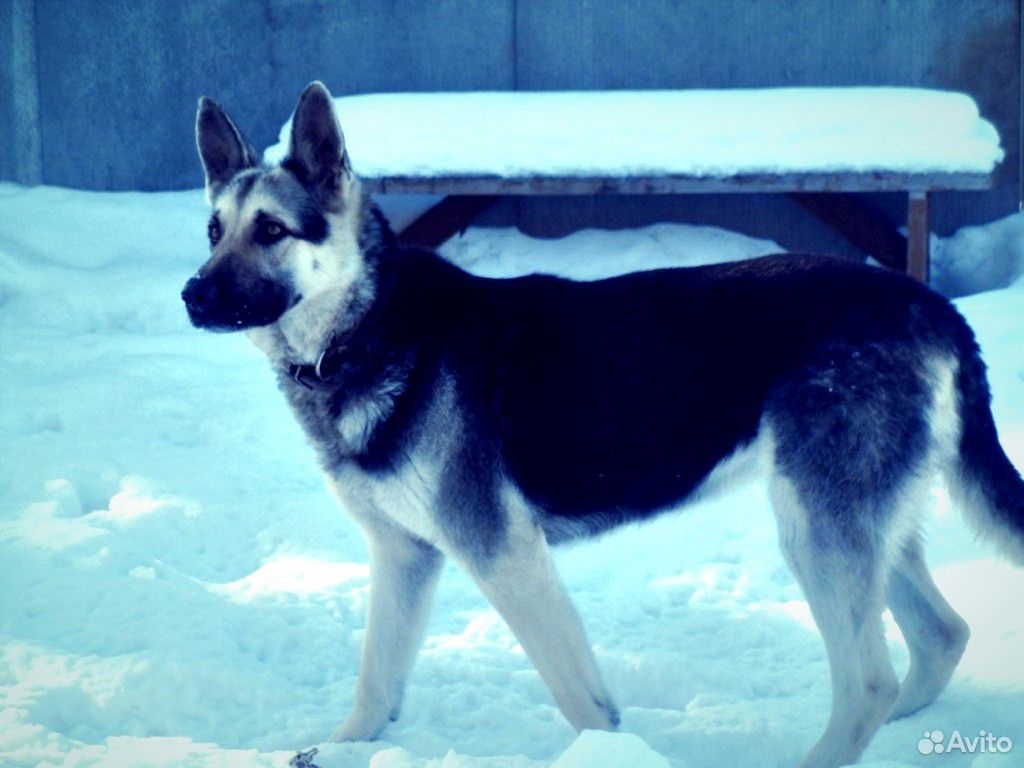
(101, 94)
(20, 156)
(119, 79)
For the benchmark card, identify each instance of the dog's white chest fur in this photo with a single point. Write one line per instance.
(361, 415)
(408, 495)
(406, 498)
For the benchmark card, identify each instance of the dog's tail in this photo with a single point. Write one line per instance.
(987, 486)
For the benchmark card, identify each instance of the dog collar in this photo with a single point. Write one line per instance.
(320, 374)
(309, 376)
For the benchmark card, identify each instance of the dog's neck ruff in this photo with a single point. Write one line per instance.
(322, 373)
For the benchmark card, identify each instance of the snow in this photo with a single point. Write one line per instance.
(698, 132)
(981, 258)
(599, 748)
(178, 588)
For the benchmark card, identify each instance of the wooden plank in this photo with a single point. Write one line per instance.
(449, 217)
(667, 184)
(848, 216)
(918, 256)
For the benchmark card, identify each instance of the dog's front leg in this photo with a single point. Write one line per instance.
(403, 574)
(523, 586)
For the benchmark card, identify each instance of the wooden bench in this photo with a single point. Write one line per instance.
(472, 147)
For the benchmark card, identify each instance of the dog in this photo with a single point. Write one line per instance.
(487, 419)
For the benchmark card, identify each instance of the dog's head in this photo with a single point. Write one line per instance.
(283, 239)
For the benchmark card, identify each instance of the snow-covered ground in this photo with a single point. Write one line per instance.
(177, 588)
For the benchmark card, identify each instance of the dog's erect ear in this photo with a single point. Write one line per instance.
(223, 149)
(317, 150)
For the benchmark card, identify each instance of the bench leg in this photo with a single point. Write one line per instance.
(857, 224)
(446, 219)
(917, 237)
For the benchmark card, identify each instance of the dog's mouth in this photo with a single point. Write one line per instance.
(213, 307)
(218, 324)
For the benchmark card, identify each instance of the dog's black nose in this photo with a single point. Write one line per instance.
(199, 294)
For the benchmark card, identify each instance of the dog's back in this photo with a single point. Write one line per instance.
(611, 400)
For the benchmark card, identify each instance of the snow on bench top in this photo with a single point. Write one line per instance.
(703, 133)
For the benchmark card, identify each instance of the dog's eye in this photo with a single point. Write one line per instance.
(213, 231)
(269, 232)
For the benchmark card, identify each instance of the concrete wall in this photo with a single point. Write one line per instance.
(119, 79)
(20, 153)
(6, 90)
(100, 94)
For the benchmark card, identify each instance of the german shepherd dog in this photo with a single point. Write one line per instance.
(488, 419)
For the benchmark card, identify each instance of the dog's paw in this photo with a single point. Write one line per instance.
(361, 725)
(304, 759)
(609, 710)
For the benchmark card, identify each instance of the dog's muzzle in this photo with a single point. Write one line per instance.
(217, 304)
(204, 300)
(199, 295)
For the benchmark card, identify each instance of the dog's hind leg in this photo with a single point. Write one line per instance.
(842, 577)
(936, 635)
(403, 574)
(521, 583)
